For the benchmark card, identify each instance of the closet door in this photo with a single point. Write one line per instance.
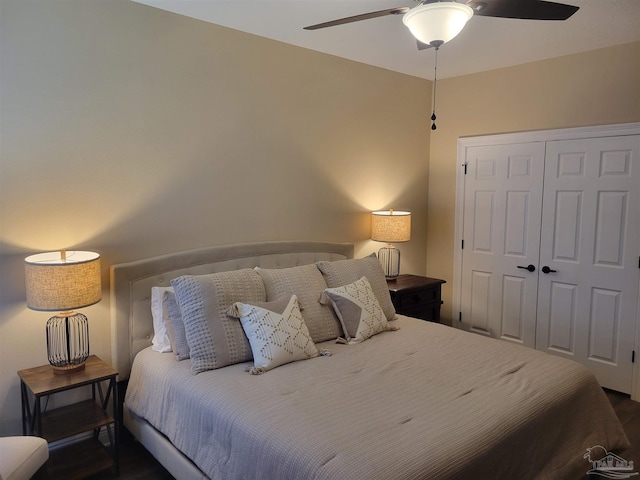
(502, 211)
(589, 244)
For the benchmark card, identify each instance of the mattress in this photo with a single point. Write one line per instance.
(426, 401)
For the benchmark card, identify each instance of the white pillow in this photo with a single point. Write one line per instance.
(276, 331)
(160, 316)
(358, 309)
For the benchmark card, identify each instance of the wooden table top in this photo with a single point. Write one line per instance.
(42, 381)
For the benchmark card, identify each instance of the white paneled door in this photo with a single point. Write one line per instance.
(502, 211)
(551, 235)
(588, 297)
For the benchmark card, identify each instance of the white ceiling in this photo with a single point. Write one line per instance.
(484, 44)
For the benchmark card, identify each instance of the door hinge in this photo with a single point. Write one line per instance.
(638, 262)
(465, 168)
(459, 316)
(633, 356)
(462, 246)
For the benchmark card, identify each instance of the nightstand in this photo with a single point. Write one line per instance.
(416, 296)
(87, 456)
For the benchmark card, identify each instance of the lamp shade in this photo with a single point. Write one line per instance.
(437, 22)
(391, 226)
(58, 281)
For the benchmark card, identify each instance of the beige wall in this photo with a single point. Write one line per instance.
(133, 132)
(594, 88)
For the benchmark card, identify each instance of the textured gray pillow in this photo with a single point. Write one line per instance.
(305, 282)
(215, 339)
(344, 272)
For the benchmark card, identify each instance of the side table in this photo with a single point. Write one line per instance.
(86, 457)
(416, 296)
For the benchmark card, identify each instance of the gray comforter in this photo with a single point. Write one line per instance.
(424, 402)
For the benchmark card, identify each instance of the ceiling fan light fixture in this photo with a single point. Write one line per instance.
(437, 22)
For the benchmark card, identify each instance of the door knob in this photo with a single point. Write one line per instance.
(529, 267)
(546, 269)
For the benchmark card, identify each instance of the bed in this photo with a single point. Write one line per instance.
(416, 400)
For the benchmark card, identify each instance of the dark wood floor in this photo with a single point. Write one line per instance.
(137, 464)
(628, 412)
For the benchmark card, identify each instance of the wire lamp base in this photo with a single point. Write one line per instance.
(389, 257)
(67, 342)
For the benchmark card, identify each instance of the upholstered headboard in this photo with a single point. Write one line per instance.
(131, 322)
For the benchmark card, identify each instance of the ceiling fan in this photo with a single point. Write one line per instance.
(434, 22)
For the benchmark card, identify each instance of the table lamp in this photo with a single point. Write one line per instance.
(392, 227)
(61, 282)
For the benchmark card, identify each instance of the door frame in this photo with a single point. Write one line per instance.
(464, 143)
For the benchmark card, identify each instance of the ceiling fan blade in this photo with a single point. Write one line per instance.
(522, 9)
(357, 18)
(423, 46)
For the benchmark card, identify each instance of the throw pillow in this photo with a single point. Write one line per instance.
(276, 331)
(215, 339)
(343, 272)
(358, 310)
(306, 283)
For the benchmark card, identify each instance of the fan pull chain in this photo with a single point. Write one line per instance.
(435, 82)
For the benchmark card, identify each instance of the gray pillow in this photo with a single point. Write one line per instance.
(215, 339)
(358, 310)
(175, 326)
(343, 272)
(306, 283)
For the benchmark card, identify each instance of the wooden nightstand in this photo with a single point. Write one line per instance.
(416, 296)
(86, 457)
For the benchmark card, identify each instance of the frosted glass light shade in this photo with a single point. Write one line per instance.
(437, 22)
(55, 283)
(391, 226)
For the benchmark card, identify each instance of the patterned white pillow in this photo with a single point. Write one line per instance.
(276, 331)
(358, 309)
